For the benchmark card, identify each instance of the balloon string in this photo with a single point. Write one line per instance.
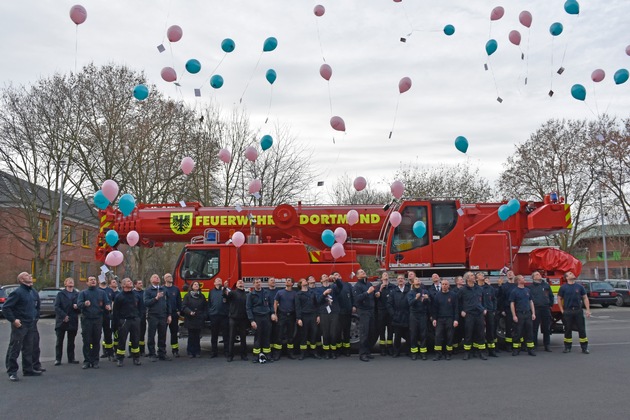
(494, 79)
(168, 14)
(269, 110)
(319, 39)
(595, 97)
(251, 77)
(76, 47)
(529, 31)
(395, 115)
(551, 67)
(408, 19)
(330, 99)
(566, 46)
(205, 82)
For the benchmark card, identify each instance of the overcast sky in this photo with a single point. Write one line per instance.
(452, 94)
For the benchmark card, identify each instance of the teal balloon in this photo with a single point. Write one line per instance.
(461, 144)
(216, 81)
(328, 237)
(572, 7)
(556, 28)
(100, 201)
(193, 66)
(111, 237)
(503, 212)
(141, 92)
(419, 229)
(228, 45)
(271, 76)
(621, 76)
(513, 206)
(126, 204)
(578, 92)
(266, 142)
(270, 44)
(449, 30)
(491, 46)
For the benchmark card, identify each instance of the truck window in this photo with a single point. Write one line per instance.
(404, 239)
(444, 219)
(202, 264)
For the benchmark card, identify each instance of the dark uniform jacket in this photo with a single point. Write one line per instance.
(331, 300)
(64, 306)
(363, 300)
(194, 302)
(444, 305)
(141, 308)
(98, 300)
(258, 303)
(418, 306)
(398, 307)
(174, 299)
(521, 298)
(489, 300)
(126, 306)
(470, 300)
(217, 303)
(159, 308)
(381, 301)
(237, 299)
(541, 294)
(21, 304)
(305, 304)
(504, 296)
(346, 301)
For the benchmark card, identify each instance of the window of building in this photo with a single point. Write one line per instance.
(33, 271)
(66, 239)
(85, 238)
(83, 272)
(43, 230)
(67, 269)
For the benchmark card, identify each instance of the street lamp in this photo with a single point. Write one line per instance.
(60, 225)
(601, 211)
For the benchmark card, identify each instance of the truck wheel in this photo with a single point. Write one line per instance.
(619, 301)
(605, 305)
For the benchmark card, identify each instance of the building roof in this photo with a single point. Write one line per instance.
(12, 188)
(611, 231)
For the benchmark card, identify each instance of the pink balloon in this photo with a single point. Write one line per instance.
(404, 85)
(319, 10)
(254, 186)
(238, 239)
(114, 258)
(174, 33)
(397, 189)
(337, 123)
(353, 217)
(497, 13)
(359, 183)
(598, 75)
(168, 74)
(525, 18)
(225, 156)
(78, 14)
(325, 71)
(251, 153)
(337, 251)
(341, 235)
(132, 238)
(397, 1)
(515, 37)
(187, 165)
(628, 50)
(110, 189)
(395, 218)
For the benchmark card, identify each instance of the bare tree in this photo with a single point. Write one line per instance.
(343, 192)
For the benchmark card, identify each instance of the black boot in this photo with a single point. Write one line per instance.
(531, 352)
(567, 349)
(467, 355)
(547, 349)
(482, 355)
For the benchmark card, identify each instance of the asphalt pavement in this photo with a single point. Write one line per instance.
(551, 385)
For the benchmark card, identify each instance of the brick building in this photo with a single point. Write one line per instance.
(590, 251)
(28, 234)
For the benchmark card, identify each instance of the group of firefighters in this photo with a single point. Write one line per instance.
(309, 320)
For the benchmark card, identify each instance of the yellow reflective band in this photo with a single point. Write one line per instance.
(120, 352)
(414, 349)
(437, 348)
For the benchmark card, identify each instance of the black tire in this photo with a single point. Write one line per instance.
(619, 301)
(605, 305)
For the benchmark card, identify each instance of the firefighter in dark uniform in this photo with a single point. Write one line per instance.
(398, 309)
(218, 308)
(503, 305)
(108, 342)
(158, 316)
(66, 320)
(284, 308)
(363, 294)
(570, 298)
(458, 335)
(542, 296)
(260, 314)
(522, 310)
(470, 302)
(383, 318)
(306, 319)
(490, 304)
(126, 319)
(346, 308)
(139, 291)
(175, 302)
(21, 312)
(445, 316)
(93, 303)
(274, 334)
(237, 299)
(419, 310)
(328, 310)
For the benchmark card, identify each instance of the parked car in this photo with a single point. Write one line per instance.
(600, 293)
(622, 287)
(5, 291)
(47, 301)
